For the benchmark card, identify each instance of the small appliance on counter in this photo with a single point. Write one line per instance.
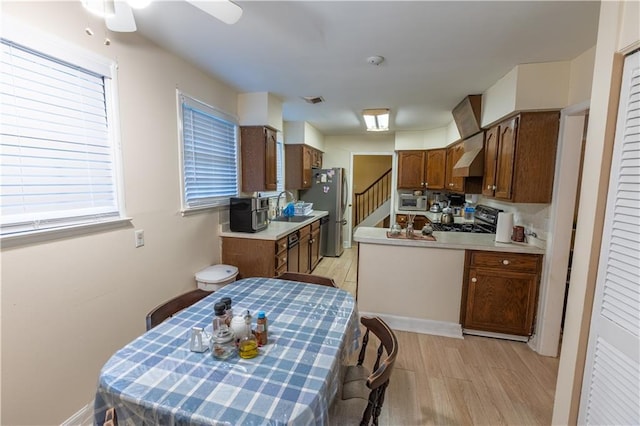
(412, 202)
(486, 221)
(248, 214)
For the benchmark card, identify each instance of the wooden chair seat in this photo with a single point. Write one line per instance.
(363, 392)
(308, 278)
(173, 306)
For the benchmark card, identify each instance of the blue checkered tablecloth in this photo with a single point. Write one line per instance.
(157, 380)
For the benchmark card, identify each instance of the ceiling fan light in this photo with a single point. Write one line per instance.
(101, 8)
(225, 10)
(139, 4)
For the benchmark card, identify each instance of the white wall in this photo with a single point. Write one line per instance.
(67, 305)
(297, 132)
(617, 32)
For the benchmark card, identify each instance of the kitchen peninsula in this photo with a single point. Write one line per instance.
(418, 285)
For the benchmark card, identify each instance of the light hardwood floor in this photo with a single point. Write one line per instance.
(444, 381)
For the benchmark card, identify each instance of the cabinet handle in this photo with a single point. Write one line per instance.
(474, 280)
(494, 187)
(505, 262)
(488, 186)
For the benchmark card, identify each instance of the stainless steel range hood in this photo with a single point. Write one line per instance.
(472, 161)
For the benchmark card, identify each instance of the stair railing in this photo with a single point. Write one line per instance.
(375, 195)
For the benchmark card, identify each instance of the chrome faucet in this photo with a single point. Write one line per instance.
(278, 211)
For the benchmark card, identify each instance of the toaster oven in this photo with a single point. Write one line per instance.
(412, 202)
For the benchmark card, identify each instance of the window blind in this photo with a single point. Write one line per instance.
(56, 149)
(209, 153)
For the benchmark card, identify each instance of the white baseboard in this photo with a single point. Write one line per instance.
(418, 325)
(83, 417)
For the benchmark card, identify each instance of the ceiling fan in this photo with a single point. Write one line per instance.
(118, 14)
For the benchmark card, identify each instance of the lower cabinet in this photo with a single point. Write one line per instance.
(268, 258)
(314, 245)
(304, 264)
(500, 292)
(419, 221)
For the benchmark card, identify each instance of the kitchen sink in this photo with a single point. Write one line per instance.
(291, 218)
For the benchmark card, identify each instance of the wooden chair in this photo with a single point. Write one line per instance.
(363, 391)
(169, 308)
(308, 278)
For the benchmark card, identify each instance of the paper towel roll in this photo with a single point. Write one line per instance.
(504, 227)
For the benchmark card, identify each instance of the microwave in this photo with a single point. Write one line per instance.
(413, 202)
(248, 214)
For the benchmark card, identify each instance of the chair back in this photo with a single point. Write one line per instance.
(170, 307)
(388, 341)
(308, 278)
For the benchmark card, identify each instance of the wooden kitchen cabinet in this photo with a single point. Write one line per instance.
(314, 245)
(421, 169)
(500, 292)
(469, 185)
(258, 148)
(520, 154)
(299, 161)
(419, 221)
(255, 258)
(304, 264)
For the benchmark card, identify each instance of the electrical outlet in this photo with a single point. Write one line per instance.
(139, 234)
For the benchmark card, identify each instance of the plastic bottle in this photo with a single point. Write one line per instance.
(248, 345)
(469, 211)
(261, 328)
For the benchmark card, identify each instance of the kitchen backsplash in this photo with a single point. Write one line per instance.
(534, 217)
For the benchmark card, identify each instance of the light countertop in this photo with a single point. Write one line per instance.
(446, 240)
(275, 230)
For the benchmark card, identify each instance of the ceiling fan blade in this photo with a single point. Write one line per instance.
(122, 21)
(224, 10)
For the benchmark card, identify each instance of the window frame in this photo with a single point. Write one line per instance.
(219, 114)
(50, 46)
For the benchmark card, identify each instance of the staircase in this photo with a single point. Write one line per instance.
(372, 205)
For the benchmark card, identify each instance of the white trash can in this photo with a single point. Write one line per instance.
(215, 277)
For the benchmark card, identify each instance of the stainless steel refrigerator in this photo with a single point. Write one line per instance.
(329, 192)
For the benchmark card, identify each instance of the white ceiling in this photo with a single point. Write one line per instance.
(436, 52)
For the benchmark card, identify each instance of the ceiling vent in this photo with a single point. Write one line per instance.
(313, 99)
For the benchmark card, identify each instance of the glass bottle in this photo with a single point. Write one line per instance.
(409, 230)
(261, 328)
(248, 345)
(222, 343)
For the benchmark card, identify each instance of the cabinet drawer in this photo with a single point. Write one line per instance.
(281, 270)
(304, 231)
(281, 260)
(281, 245)
(507, 261)
(315, 225)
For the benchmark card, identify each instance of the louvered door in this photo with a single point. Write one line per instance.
(610, 392)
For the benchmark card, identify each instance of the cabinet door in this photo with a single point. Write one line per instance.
(454, 153)
(490, 155)
(271, 168)
(419, 222)
(307, 161)
(411, 165)
(304, 264)
(436, 168)
(505, 158)
(314, 248)
(500, 301)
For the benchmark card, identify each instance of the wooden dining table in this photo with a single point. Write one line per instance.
(157, 379)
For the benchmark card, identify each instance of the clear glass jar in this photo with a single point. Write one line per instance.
(409, 230)
(222, 343)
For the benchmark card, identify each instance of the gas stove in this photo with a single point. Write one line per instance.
(486, 220)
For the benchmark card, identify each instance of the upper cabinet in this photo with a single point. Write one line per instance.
(520, 154)
(258, 147)
(421, 169)
(299, 160)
